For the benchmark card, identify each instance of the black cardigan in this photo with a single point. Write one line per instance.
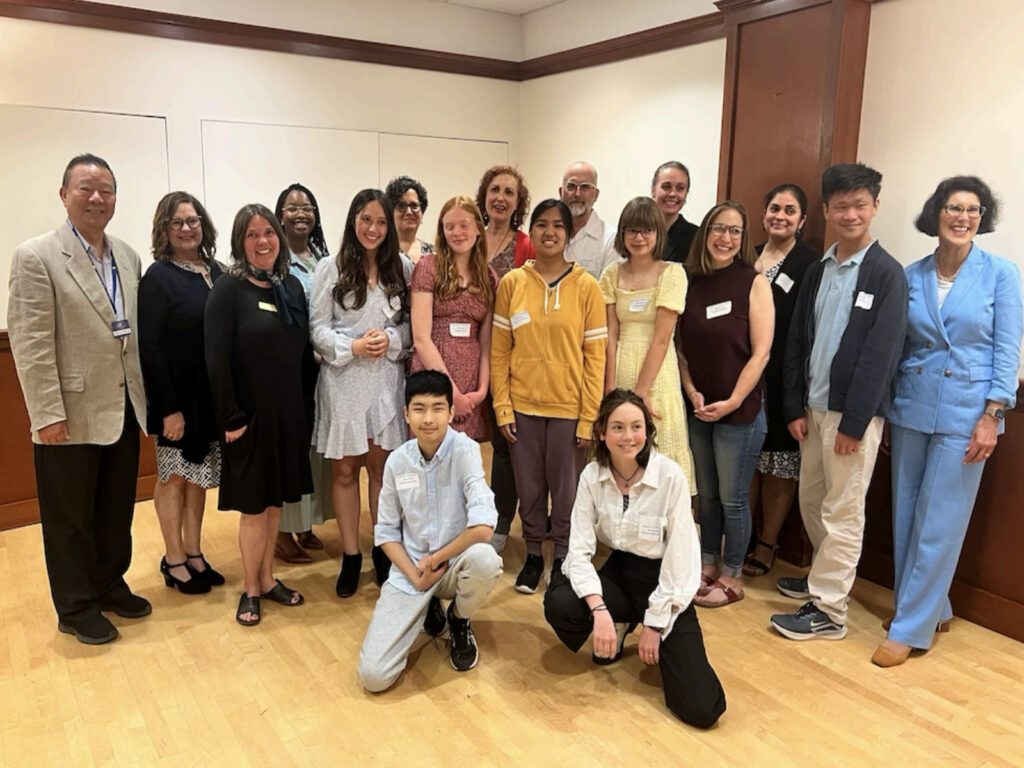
(863, 370)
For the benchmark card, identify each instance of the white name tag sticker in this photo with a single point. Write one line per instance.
(408, 481)
(864, 300)
(391, 308)
(784, 281)
(520, 318)
(267, 306)
(718, 310)
(650, 528)
(459, 330)
(639, 305)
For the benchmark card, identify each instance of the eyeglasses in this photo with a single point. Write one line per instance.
(633, 232)
(403, 207)
(724, 229)
(293, 209)
(192, 222)
(973, 211)
(583, 186)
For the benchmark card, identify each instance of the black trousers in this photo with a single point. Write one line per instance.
(692, 689)
(86, 504)
(503, 481)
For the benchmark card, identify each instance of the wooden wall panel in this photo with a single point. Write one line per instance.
(18, 505)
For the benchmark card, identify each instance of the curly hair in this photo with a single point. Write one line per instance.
(698, 261)
(928, 220)
(240, 267)
(165, 210)
(522, 193)
(317, 241)
(446, 281)
(399, 185)
(611, 401)
(352, 272)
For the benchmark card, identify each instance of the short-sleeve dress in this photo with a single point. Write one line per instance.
(357, 399)
(456, 334)
(636, 312)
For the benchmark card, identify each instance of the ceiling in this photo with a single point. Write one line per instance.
(513, 7)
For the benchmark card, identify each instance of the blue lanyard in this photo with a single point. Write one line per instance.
(97, 264)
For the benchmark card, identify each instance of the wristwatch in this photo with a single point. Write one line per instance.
(996, 412)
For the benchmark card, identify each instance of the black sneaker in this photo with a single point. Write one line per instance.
(434, 623)
(793, 586)
(808, 623)
(96, 630)
(529, 576)
(127, 606)
(462, 650)
(556, 576)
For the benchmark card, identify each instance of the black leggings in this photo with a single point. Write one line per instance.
(503, 482)
(692, 689)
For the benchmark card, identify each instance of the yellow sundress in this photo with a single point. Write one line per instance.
(636, 311)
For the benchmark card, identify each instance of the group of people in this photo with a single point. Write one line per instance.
(679, 358)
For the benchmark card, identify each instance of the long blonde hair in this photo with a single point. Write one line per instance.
(446, 281)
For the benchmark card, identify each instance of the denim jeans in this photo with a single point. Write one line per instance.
(724, 458)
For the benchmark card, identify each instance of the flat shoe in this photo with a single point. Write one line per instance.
(296, 556)
(309, 540)
(279, 593)
(706, 583)
(249, 605)
(885, 656)
(731, 596)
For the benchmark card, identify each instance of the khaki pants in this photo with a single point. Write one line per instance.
(832, 491)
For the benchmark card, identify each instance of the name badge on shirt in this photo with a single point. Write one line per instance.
(459, 330)
(784, 281)
(650, 528)
(639, 305)
(120, 328)
(520, 318)
(408, 481)
(718, 310)
(267, 306)
(864, 300)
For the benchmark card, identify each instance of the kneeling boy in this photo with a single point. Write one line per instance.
(435, 518)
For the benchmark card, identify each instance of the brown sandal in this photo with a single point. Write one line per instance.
(706, 583)
(731, 596)
(286, 549)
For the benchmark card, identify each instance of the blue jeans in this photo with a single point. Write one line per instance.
(724, 458)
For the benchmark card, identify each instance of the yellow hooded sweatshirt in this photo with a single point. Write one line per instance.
(548, 347)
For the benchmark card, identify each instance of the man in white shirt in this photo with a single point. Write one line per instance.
(593, 241)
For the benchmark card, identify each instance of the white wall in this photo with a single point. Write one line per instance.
(574, 23)
(626, 119)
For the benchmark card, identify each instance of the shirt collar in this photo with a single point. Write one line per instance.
(651, 476)
(594, 227)
(857, 258)
(442, 450)
(89, 250)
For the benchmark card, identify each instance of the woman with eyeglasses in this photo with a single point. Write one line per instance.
(783, 260)
(957, 379)
(725, 335)
(409, 202)
(299, 214)
(172, 301)
(644, 296)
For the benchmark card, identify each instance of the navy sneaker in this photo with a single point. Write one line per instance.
(462, 650)
(435, 621)
(808, 623)
(795, 587)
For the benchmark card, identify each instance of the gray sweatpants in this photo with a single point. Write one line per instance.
(398, 617)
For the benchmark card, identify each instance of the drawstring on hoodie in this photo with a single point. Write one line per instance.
(558, 295)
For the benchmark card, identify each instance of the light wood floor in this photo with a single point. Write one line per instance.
(188, 686)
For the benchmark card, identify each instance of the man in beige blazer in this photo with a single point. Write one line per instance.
(72, 325)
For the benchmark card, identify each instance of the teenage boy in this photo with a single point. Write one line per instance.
(844, 344)
(435, 518)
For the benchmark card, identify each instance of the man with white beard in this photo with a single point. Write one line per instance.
(593, 242)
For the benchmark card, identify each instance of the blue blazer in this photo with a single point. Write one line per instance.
(958, 357)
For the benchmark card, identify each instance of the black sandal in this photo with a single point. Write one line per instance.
(279, 593)
(754, 567)
(248, 604)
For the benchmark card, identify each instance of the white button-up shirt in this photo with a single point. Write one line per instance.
(425, 505)
(657, 524)
(593, 246)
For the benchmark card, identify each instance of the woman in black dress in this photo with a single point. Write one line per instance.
(172, 298)
(783, 261)
(262, 376)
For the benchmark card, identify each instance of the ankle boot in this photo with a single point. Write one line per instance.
(348, 578)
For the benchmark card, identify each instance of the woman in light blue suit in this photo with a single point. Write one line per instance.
(957, 378)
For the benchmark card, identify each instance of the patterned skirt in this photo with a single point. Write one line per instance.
(170, 462)
(782, 464)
